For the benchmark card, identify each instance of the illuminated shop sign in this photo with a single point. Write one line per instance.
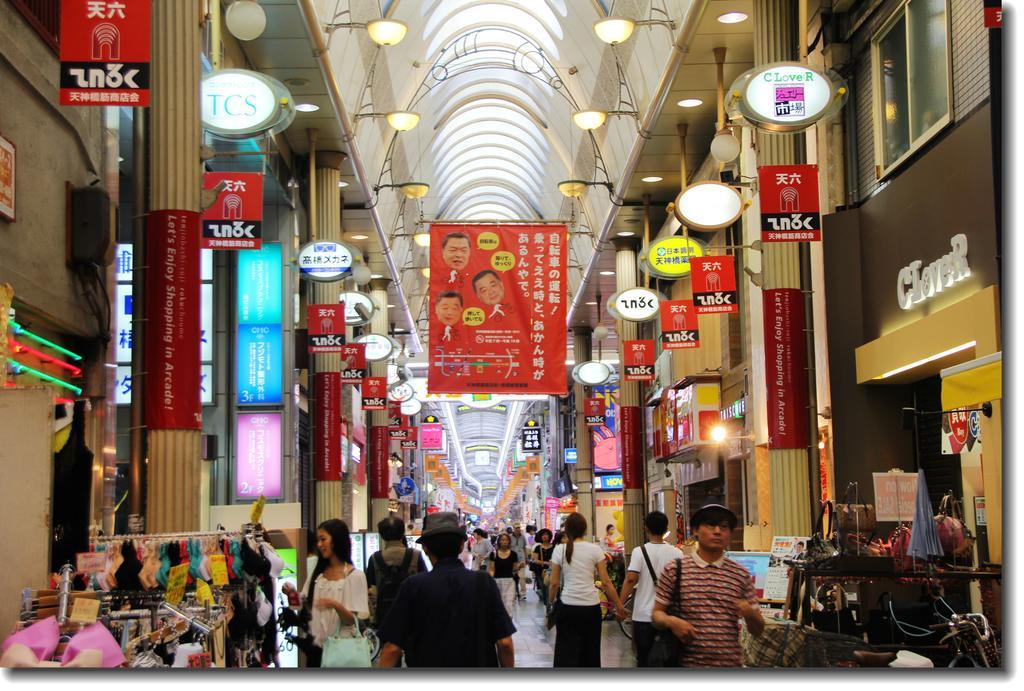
(239, 103)
(608, 483)
(785, 96)
(635, 304)
(258, 458)
(259, 344)
(916, 283)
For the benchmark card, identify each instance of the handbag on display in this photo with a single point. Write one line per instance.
(822, 548)
(899, 547)
(347, 652)
(667, 650)
(954, 535)
(854, 517)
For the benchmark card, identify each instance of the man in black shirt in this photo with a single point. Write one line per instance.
(448, 617)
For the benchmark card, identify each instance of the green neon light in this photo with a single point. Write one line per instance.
(19, 329)
(19, 368)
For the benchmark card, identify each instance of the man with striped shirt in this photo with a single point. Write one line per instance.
(714, 594)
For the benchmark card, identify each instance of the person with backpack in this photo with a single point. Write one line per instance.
(391, 565)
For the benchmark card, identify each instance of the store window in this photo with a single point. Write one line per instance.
(912, 68)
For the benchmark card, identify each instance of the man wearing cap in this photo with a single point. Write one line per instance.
(448, 617)
(714, 594)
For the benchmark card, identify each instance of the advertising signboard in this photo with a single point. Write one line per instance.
(790, 210)
(326, 327)
(638, 360)
(104, 52)
(375, 391)
(714, 285)
(259, 344)
(786, 368)
(258, 457)
(327, 386)
(235, 220)
(593, 411)
(353, 363)
(680, 327)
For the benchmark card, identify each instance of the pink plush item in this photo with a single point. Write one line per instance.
(41, 638)
(94, 637)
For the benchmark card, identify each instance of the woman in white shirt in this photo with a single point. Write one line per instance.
(482, 549)
(336, 591)
(578, 638)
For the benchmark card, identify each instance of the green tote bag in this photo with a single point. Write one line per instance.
(346, 652)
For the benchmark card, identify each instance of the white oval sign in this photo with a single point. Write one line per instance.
(635, 304)
(240, 103)
(358, 308)
(708, 206)
(325, 261)
(401, 393)
(786, 96)
(378, 347)
(411, 407)
(591, 373)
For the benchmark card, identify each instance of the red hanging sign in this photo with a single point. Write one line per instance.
(993, 14)
(395, 417)
(327, 387)
(104, 52)
(402, 433)
(631, 447)
(790, 210)
(680, 327)
(380, 471)
(235, 220)
(786, 368)
(411, 441)
(593, 411)
(638, 360)
(172, 332)
(353, 365)
(498, 309)
(326, 325)
(714, 285)
(375, 393)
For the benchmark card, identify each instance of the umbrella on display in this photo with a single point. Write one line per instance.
(924, 536)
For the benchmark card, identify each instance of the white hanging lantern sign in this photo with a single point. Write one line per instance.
(591, 373)
(378, 346)
(358, 308)
(785, 96)
(635, 304)
(708, 205)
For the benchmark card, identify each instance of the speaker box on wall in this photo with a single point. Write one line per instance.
(90, 239)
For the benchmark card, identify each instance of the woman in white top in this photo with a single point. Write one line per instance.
(336, 591)
(482, 549)
(578, 638)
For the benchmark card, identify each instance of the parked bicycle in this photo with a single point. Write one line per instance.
(971, 640)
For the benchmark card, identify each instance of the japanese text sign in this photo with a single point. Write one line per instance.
(353, 363)
(593, 410)
(638, 360)
(176, 579)
(259, 345)
(258, 455)
(497, 309)
(104, 52)
(375, 392)
(326, 324)
(432, 436)
(714, 285)
(789, 203)
(235, 220)
(680, 327)
(531, 438)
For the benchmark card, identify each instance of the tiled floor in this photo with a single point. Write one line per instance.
(535, 645)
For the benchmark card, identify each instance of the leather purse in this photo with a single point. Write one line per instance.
(667, 650)
(853, 516)
(823, 547)
(954, 535)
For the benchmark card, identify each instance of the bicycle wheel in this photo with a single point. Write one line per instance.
(627, 624)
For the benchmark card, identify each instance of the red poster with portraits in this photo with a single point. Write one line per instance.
(593, 411)
(714, 285)
(354, 354)
(104, 52)
(375, 393)
(790, 210)
(638, 360)
(680, 327)
(235, 220)
(497, 309)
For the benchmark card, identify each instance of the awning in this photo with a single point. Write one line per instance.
(973, 382)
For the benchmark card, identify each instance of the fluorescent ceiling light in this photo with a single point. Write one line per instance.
(690, 103)
(361, 237)
(376, 276)
(625, 233)
(607, 273)
(732, 17)
(342, 183)
(307, 107)
(931, 358)
(652, 178)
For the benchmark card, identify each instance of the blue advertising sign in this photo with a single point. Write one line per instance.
(608, 483)
(571, 456)
(405, 487)
(259, 349)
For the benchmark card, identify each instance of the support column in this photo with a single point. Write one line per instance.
(630, 423)
(583, 475)
(378, 502)
(176, 180)
(326, 200)
(775, 40)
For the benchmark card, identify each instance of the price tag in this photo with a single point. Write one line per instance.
(90, 562)
(176, 583)
(257, 509)
(219, 569)
(85, 610)
(203, 593)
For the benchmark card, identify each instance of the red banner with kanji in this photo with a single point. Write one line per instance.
(172, 332)
(353, 363)
(235, 220)
(375, 393)
(498, 309)
(326, 328)
(327, 389)
(104, 52)
(380, 471)
(593, 411)
(411, 440)
(790, 210)
(638, 360)
(680, 327)
(714, 285)
(786, 368)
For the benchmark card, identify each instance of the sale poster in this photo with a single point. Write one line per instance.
(680, 327)
(714, 285)
(790, 210)
(497, 309)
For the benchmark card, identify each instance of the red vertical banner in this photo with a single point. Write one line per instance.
(235, 220)
(375, 393)
(790, 211)
(104, 52)
(638, 360)
(714, 285)
(593, 411)
(498, 309)
(631, 447)
(380, 471)
(327, 387)
(680, 327)
(355, 370)
(172, 332)
(326, 326)
(786, 368)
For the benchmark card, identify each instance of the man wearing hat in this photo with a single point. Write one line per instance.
(447, 617)
(714, 594)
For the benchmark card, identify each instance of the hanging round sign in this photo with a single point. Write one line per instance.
(670, 257)
(378, 346)
(237, 104)
(326, 261)
(591, 373)
(359, 308)
(785, 96)
(411, 407)
(635, 304)
(708, 205)
(401, 392)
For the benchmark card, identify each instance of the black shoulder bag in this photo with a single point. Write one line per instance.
(650, 568)
(667, 650)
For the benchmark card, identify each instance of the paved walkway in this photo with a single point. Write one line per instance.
(535, 645)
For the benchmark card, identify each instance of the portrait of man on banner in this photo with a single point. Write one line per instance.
(497, 309)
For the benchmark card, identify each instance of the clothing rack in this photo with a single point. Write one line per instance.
(168, 536)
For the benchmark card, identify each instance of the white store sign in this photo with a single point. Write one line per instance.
(240, 103)
(785, 96)
(915, 282)
(635, 305)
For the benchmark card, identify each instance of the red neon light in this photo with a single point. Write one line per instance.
(22, 348)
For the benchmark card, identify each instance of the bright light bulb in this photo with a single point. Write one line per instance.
(614, 30)
(718, 433)
(307, 107)
(425, 271)
(422, 239)
(342, 183)
(415, 190)
(589, 119)
(732, 18)
(690, 103)
(403, 120)
(386, 32)
(572, 188)
(652, 178)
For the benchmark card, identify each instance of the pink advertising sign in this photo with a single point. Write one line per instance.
(258, 458)
(432, 436)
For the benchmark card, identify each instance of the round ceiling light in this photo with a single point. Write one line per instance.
(415, 190)
(591, 373)
(403, 120)
(725, 146)
(652, 178)
(386, 32)
(690, 103)
(708, 206)
(732, 17)
(246, 20)
(607, 273)
(572, 188)
(614, 30)
(361, 274)
(625, 233)
(305, 107)
(589, 119)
